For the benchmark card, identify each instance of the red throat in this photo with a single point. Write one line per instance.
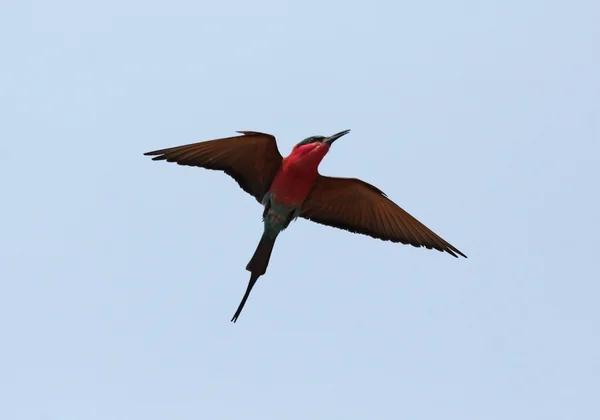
(298, 174)
(308, 156)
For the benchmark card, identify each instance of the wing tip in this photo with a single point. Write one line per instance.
(158, 154)
(154, 153)
(453, 251)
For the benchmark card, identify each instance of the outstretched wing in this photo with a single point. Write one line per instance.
(252, 159)
(354, 205)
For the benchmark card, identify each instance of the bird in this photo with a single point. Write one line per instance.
(292, 187)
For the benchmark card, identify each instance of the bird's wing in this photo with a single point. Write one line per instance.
(252, 159)
(354, 205)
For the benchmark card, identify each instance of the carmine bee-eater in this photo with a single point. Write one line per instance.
(292, 186)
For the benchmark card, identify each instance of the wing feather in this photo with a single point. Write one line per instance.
(251, 159)
(354, 205)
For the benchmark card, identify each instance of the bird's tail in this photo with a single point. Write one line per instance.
(257, 267)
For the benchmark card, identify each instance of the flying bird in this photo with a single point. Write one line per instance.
(292, 187)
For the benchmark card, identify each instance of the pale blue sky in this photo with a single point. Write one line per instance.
(119, 275)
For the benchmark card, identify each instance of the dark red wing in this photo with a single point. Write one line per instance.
(354, 205)
(252, 159)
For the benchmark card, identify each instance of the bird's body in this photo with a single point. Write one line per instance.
(292, 187)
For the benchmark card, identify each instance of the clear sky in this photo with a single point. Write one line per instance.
(119, 275)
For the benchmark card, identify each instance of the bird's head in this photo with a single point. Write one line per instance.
(318, 145)
(310, 151)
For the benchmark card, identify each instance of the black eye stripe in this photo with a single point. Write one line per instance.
(310, 140)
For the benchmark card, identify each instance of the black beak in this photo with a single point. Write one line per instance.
(329, 140)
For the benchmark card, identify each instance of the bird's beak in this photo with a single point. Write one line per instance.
(329, 140)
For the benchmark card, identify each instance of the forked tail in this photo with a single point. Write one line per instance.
(257, 267)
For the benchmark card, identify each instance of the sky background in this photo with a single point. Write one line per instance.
(119, 275)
